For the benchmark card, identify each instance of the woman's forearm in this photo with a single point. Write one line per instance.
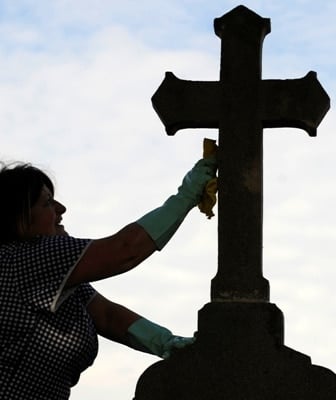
(112, 320)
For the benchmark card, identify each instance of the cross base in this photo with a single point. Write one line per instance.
(238, 355)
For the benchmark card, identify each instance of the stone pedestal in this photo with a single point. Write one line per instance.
(239, 354)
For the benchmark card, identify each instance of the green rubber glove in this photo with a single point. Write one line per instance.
(149, 337)
(162, 223)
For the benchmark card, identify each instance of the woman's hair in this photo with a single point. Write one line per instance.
(20, 188)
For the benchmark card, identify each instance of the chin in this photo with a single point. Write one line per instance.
(60, 231)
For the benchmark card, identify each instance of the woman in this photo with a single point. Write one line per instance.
(49, 313)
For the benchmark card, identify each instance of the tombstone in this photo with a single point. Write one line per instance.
(239, 353)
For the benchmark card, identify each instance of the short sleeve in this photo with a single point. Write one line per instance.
(42, 267)
(85, 293)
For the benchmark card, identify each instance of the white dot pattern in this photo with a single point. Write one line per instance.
(42, 353)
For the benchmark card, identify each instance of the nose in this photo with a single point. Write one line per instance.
(59, 208)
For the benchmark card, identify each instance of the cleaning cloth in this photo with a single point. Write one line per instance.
(209, 197)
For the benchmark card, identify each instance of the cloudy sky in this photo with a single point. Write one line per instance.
(76, 79)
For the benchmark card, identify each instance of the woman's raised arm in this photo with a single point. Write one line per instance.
(134, 243)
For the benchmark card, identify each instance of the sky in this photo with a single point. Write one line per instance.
(76, 80)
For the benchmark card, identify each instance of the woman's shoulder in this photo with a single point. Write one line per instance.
(41, 249)
(7, 251)
(50, 241)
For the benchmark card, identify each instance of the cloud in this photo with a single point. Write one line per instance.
(76, 82)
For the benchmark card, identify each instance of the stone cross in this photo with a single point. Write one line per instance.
(240, 105)
(239, 352)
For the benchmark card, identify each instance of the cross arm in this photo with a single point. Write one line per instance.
(184, 104)
(296, 103)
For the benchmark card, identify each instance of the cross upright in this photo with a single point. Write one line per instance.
(240, 105)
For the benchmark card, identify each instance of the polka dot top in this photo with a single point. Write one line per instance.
(47, 338)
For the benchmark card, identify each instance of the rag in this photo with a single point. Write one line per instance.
(209, 197)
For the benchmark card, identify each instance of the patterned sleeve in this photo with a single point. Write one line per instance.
(43, 267)
(85, 293)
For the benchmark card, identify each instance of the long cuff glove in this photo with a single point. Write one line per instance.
(162, 223)
(148, 337)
